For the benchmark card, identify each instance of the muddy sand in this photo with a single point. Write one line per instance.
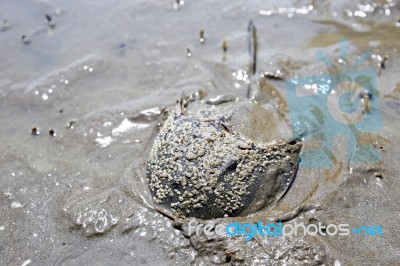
(122, 121)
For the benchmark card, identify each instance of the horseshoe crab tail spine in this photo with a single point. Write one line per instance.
(253, 54)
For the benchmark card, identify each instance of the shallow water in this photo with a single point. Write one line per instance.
(81, 197)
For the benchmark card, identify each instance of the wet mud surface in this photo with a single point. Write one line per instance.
(86, 91)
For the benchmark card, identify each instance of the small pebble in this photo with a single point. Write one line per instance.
(379, 175)
(35, 131)
(50, 21)
(225, 46)
(5, 25)
(25, 39)
(71, 124)
(385, 58)
(202, 39)
(52, 132)
(178, 3)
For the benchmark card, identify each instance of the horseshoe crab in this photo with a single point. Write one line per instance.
(230, 159)
(233, 158)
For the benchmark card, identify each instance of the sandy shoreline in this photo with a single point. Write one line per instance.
(102, 77)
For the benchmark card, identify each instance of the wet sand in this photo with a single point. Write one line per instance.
(101, 78)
